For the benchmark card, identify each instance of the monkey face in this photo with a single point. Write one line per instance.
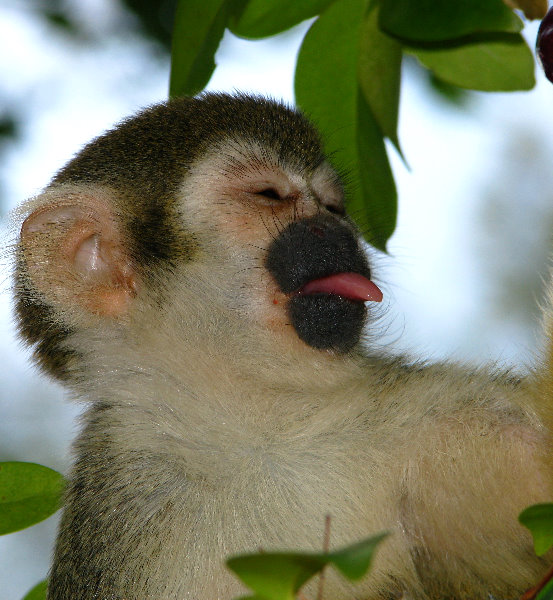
(299, 267)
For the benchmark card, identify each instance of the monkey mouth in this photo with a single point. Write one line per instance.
(319, 264)
(352, 286)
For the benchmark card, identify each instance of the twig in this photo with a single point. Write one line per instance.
(326, 546)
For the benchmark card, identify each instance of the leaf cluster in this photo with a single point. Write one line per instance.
(349, 69)
(281, 575)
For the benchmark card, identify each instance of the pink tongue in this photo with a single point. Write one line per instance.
(348, 285)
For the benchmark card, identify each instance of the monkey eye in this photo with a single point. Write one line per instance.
(336, 209)
(270, 193)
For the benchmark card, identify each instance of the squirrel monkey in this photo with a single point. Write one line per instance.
(193, 277)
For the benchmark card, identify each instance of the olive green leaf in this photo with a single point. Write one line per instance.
(498, 63)
(380, 74)
(354, 561)
(29, 493)
(198, 30)
(276, 576)
(539, 520)
(375, 208)
(435, 20)
(327, 90)
(262, 18)
(38, 592)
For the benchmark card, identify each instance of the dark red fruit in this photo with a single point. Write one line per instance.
(544, 44)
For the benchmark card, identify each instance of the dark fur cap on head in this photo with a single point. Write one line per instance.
(168, 137)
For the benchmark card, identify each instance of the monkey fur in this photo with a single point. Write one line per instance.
(159, 277)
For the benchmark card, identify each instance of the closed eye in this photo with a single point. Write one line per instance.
(270, 193)
(336, 209)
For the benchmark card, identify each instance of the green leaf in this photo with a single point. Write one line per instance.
(327, 90)
(198, 30)
(374, 207)
(539, 520)
(501, 63)
(380, 74)
(547, 592)
(354, 561)
(436, 20)
(280, 575)
(38, 592)
(446, 91)
(262, 18)
(29, 493)
(276, 576)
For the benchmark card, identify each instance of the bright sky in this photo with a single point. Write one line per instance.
(429, 280)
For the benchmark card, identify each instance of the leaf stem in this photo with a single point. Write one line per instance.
(326, 546)
(533, 591)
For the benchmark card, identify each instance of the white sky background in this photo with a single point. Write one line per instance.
(430, 284)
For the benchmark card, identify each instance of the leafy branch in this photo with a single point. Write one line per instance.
(349, 70)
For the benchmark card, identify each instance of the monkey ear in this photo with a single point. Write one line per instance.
(75, 256)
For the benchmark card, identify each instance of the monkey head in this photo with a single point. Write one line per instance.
(221, 211)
